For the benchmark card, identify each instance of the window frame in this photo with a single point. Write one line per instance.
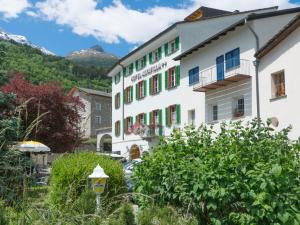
(215, 113)
(98, 119)
(194, 72)
(278, 76)
(141, 89)
(98, 106)
(239, 112)
(232, 59)
(172, 82)
(117, 128)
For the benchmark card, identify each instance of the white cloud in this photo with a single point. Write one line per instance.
(12, 8)
(119, 21)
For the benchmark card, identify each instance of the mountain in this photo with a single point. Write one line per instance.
(94, 56)
(22, 40)
(38, 67)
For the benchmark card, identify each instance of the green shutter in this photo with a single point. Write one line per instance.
(136, 118)
(145, 118)
(131, 67)
(145, 88)
(166, 80)
(150, 86)
(178, 114)
(177, 43)
(137, 91)
(115, 128)
(150, 57)
(167, 117)
(159, 53)
(131, 93)
(150, 118)
(166, 49)
(119, 100)
(124, 71)
(145, 60)
(160, 122)
(177, 75)
(159, 82)
(136, 65)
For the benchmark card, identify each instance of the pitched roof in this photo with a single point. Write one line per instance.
(173, 26)
(279, 37)
(90, 91)
(205, 12)
(233, 27)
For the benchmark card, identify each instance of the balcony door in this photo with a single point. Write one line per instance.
(220, 67)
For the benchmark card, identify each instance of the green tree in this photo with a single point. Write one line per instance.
(242, 175)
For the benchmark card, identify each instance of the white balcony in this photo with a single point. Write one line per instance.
(218, 76)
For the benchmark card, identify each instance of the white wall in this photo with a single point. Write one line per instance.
(283, 57)
(192, 33)
(85, 124)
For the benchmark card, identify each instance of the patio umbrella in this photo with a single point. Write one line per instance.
(33, 147)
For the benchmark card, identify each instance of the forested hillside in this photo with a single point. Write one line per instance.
(39, 68)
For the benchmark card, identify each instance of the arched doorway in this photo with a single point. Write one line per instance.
(105, 143)
(135, 152)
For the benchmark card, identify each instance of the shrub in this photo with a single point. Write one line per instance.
(242, 175)
(123, 216)
(69, 185)
(166, 215)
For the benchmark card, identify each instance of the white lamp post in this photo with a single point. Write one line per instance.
(98, 181)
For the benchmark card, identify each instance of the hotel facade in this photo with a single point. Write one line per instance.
(199, 70)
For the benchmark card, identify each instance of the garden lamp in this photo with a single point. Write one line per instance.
(98, 181)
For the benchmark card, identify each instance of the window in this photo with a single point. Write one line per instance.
(232, 59)
(278, 84)
(239, 107)
(155, 122)
(172, 77)
(98, 119)
(117, 100)
(141, 63)
(191, 117)
(215, 112)
(141, 89)
(155, 84)
(117, 78)
(128, 124)
(194, 75)
(155, 56)
(117, 128)
(98, 106)
(128, 94)
(171, 46)
(141, 119)
(172, 115)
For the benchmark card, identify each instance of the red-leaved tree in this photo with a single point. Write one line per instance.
(59, 116)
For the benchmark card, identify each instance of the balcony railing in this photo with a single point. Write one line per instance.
(220, 76)
(147, 131)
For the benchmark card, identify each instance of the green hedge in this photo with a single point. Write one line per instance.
(242, 175)
(69, 184)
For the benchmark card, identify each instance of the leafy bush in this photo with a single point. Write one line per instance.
(156, 215)
(123, 216)
(13, 164)
(69, 185)
(242, 175)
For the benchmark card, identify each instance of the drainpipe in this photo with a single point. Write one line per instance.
(122, 100)
(256, 64)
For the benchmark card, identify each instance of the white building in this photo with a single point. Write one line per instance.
(279, 79)
(229, 73)
(150, 88)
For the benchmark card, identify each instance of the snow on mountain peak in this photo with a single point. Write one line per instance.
(22, 40)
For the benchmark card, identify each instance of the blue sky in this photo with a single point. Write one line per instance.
(118, 26)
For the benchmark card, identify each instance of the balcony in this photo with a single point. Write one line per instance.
(219, 76)
(147, 131)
